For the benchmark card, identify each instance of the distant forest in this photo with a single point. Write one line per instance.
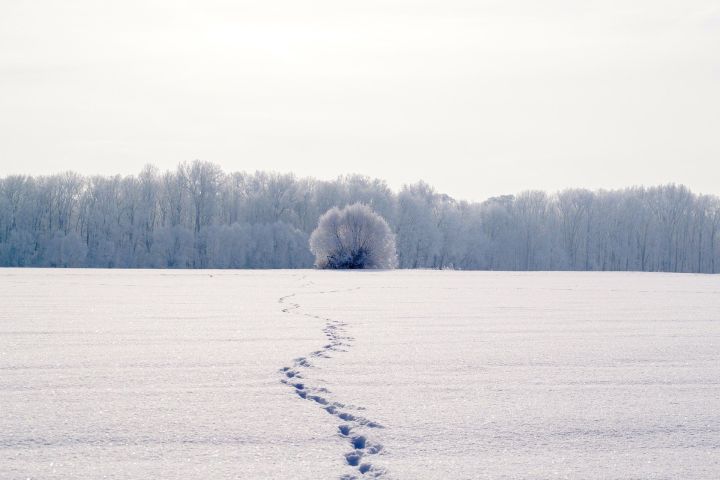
(201, 217)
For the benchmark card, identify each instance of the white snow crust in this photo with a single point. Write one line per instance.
(388, 374)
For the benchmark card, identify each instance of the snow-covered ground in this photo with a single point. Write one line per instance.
(323, 375)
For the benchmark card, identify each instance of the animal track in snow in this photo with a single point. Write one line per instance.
(354, 427)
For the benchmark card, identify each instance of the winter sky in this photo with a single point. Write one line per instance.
(477, 97)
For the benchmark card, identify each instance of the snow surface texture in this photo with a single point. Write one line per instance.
(326, 374)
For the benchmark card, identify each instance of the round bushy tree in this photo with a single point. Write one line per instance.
(353, 237)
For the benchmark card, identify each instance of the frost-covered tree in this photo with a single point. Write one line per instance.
(198, 216)
(353, 237)
(418, 234)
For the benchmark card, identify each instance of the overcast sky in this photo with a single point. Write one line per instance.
(476, 97)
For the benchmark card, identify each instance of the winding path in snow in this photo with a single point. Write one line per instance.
(351, 426)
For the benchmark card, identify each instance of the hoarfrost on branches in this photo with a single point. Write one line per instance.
(353, 237)
(198, 216)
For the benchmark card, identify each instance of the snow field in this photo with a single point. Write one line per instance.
(395, 375)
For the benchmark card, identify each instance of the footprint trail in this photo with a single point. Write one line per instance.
(352, 426)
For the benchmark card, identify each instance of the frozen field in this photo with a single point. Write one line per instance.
(431, 375)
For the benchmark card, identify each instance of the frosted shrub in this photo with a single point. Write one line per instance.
(353, 237)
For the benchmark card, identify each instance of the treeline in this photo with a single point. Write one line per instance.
(201, 217)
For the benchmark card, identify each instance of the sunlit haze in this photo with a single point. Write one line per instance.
(478, 98)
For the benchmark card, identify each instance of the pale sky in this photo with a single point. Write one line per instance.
(478, 98)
